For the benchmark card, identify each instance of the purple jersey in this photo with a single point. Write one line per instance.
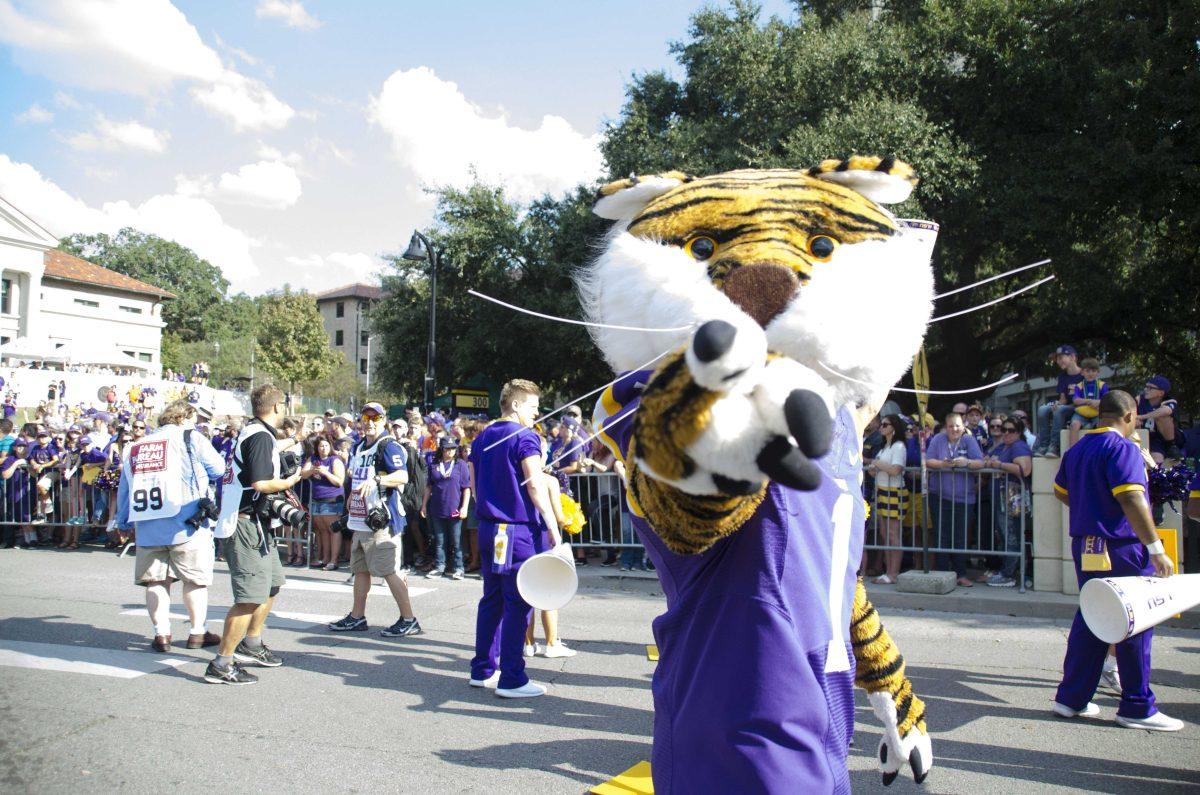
(754, 683)
(498, 474)
(16, 488)
(1101, 465)
(1194, 487)
(322, 489)
(446, 486)
(956, 484)
(1066, 384)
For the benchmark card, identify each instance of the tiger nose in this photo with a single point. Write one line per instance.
(762, 291)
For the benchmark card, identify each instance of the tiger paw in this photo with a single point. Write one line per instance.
(767, 417)
(913, 749)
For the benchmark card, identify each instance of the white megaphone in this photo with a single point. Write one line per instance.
(1116, 608)
(548, 580)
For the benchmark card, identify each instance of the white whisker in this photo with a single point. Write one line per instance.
(991, 279)
(603, 429)
(1002, 381)
(1013, 294)
(581, 397)
(568, 320)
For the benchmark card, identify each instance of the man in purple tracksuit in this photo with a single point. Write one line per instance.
(1102, 480)
(506, 464)
(769, 604)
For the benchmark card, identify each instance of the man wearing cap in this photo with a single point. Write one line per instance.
(377, 474)
(510, 493)
(975, 424)
(1053, 417)
(447, 498)
(1102, 480)
(43, 457)
(1156, 412)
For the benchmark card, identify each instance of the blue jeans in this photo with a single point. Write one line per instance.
(446, 533)
(631, 557)
(951, 521)
(1007, 531)
(1052, 418)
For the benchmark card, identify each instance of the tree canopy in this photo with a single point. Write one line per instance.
(292, 343)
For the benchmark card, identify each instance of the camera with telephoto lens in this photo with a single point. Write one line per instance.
(206, 511)
(283, 506)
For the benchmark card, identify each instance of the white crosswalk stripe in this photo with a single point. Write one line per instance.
(278, 619)
(85, 659)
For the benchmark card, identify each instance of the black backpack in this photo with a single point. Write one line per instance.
(413, 494)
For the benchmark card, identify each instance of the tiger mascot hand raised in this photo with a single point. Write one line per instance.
(742, 456)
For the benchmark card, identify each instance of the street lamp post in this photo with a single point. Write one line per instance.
(419, 249)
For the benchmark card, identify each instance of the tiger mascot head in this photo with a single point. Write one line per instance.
(811, 257)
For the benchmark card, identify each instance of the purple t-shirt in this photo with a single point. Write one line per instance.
(1066, 384)
(43, 453)
(322, 489)
(17, 486)
(956, 484)
(1091, 390)
(1007, 452)
(1101, 465)
(747, 689)
(498, 474)
(446, 488)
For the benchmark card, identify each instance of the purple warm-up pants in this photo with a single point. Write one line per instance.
(503, 615)
(1084, 661)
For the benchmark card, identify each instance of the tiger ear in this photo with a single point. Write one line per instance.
(881, 179)
(625, 198)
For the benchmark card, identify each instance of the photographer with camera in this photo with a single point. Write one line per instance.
(375, 515)
(254, 499)
(165, 493)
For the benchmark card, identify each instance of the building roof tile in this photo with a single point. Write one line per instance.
(66, 267)
(370, 292)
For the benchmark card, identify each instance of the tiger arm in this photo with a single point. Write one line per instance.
(880, 670)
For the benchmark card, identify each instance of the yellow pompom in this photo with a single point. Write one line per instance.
(572, 515)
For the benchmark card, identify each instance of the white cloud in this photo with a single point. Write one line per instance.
(112, 135)
(65, 100)
(439, 134)
(291, 12)
(270, 183)
(189, 220)
(134, 46)
(322, 272)
(35, 115)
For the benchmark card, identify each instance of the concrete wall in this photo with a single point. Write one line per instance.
(352, 324)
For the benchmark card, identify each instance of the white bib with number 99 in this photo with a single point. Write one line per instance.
(156, 481)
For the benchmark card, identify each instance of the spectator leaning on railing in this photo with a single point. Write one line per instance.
(952, 492)
(1013, 457)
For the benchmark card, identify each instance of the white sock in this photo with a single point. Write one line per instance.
(1110, 663)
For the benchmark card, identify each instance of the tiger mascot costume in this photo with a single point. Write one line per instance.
(742, 454)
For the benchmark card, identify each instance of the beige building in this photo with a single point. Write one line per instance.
(344, 312)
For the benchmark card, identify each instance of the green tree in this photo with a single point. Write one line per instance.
(522, 255)
(1039, 129)
(292, 344)
(197, 283)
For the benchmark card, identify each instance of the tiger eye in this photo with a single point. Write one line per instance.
(701, 248)
(822, 247)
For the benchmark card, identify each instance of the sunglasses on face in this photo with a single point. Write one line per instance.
(1010, 429)
(885, 425)
(995, 425)
(139, 427)
(371, 416)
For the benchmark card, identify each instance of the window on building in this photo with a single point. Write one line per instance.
(362, 366)
(87, 303)
(145, 357)
(133, 310)
(338, 336)
(6, 300)
(5, 340)
(339, 310)
(362, 306)
(363, 339)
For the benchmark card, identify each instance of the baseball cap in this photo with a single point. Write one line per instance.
(43, 432)
(447, 443)
(570, 422)
(1159, 382)
(373, 408)
(1068, 349)
(975, 407)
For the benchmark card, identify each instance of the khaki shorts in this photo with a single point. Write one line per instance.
(375, 552)
(254, 567)
(191, 561)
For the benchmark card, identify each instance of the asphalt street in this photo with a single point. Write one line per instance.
(87, 707)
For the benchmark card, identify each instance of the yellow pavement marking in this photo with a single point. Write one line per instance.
(634, 781)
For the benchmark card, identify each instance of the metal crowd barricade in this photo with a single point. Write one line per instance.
(601, 495)
(989, 518)
(45, 504)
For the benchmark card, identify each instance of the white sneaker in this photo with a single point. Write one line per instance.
(1063, 711)
(1111, 680)
(1158, 722)
(528, 690)
(558, 650)
(530, 650)
(491, 681)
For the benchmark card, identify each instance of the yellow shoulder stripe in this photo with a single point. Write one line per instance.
(1060, 489)
(1128, 487)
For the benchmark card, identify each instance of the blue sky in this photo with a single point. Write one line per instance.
(288, 141)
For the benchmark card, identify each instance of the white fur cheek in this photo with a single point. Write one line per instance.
(864, 313)
(779, 380)
(644, 284)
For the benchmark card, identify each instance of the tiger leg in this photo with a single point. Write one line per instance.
(717, 421)
(880, 671)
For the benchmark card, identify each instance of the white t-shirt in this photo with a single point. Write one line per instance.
(895, 455)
